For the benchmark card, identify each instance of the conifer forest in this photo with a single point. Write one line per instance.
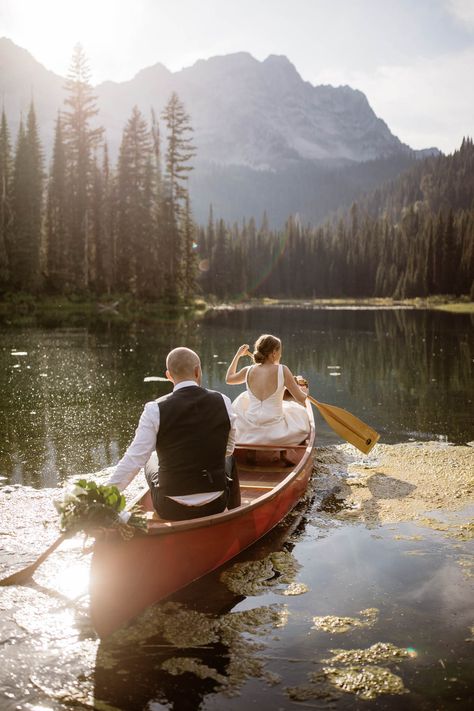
(84, 226)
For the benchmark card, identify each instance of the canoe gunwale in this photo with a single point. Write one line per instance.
(123, 583)
(166, 527)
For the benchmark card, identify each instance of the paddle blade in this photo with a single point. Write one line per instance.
(25, 574)
(20, 577)
(348, 426)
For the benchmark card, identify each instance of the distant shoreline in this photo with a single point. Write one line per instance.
(124, 307)
(439, 303)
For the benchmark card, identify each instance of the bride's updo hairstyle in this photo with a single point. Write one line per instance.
(264, 346)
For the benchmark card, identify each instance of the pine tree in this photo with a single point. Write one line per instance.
(5, 199)
(104, 209)
(27, 208)
(208, 285)
(221, 261)
(56, 215)
(190, 258)
(81, 141)
(96, 242)
(156, 138)
(136, 253)
(170, 249)
(180, 151)
(150, 275)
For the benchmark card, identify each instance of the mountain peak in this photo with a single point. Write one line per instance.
(279, 60)
(9, 48)
(18, 60)
(153, 70)
(245, 111)
(235, 60)
(6, 42)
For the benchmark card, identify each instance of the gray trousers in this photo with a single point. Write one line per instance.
(170, 509)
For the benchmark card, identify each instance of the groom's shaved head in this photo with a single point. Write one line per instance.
(182, 363)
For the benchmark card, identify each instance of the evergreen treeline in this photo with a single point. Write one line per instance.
(89, 228)
(412, 237)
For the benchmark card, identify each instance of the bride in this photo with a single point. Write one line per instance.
(263, 416)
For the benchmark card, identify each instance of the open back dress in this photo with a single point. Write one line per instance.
(272, 420)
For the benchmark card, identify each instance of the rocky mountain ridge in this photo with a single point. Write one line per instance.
(255, 116)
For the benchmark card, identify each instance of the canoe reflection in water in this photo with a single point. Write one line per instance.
(180, 651)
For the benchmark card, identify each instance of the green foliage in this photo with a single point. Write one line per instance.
(128, 230)
(24, 243)
(81, 139)
(177, 233)
(6, 167)
(89, 507)
(57, 216)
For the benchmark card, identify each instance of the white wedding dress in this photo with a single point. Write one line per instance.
(270, 421)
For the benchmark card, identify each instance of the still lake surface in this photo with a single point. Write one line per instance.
(71, 393)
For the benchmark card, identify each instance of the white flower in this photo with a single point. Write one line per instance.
(58, 505)
(124, 516)
(77, 491)
(69, 498)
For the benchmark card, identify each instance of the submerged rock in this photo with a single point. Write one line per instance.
(254, 577)
(176, 627)
(377, 653)
(181, 665)
(367, 682)
(296, 589)
(337, 625)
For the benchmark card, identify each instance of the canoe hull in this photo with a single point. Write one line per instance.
(128, 576)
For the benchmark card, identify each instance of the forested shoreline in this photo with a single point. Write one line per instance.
(413, 237)
(94, 230)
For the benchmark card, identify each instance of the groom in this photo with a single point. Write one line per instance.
(192, 431)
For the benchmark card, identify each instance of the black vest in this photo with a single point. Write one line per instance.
(191, 442)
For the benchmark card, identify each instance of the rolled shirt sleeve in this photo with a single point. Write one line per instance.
(140, 449)
(144, 443)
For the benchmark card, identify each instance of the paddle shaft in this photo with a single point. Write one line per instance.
(25, 574)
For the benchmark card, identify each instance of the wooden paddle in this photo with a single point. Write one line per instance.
(25, 574)
(347, 426)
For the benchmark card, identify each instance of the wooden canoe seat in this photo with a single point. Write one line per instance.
(269, 455)
(269, 447)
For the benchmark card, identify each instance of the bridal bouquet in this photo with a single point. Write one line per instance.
(90, 507)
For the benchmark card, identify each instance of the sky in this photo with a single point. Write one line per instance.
(414, 59)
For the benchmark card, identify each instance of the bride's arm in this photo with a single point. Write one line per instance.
(290, 383)
(236, 378)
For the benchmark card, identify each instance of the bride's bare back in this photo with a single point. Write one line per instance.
(262, 380)
(261, 415)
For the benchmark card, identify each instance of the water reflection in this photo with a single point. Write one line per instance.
(70, 405)
(200, 643)
(405, 585)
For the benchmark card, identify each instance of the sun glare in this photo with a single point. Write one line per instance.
(72, 580)
(50, 29)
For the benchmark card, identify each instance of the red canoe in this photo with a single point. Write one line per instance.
(128, 576)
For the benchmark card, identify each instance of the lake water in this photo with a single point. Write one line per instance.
(71, 395)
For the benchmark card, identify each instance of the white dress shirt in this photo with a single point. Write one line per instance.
(144, 442)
